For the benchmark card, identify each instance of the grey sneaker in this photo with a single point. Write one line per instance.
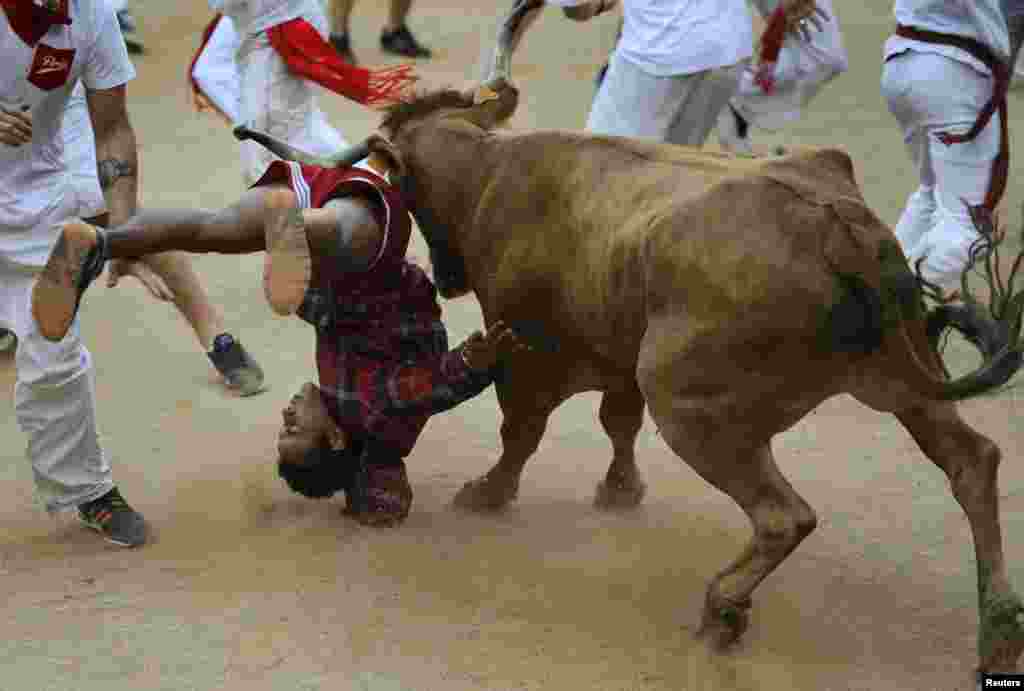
(112, 517)
(7, 340)
(240, 371)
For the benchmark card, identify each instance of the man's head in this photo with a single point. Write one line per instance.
(315, 457)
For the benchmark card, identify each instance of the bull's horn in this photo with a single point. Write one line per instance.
(347, 157)
(508, 38)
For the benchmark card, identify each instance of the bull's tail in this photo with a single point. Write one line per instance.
(865, 316)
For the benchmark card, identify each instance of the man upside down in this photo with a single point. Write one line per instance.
(335, 241)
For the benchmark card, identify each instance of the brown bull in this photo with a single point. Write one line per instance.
(732, 296)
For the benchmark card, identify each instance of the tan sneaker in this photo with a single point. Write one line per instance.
(287, 267)
(76, 261)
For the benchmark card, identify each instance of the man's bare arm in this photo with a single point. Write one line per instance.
(117, 161)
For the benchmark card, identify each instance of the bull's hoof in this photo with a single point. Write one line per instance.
(620, 493)
(724, 622)
(1001, 638)
(486, 494)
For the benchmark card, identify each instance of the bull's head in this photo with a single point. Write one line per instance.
(480, 109)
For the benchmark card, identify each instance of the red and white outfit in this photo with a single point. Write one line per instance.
(279, 49)
(934, 90)
(802, 68)
(54, 401)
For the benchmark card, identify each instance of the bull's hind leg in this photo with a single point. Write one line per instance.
(622, 416)
(970, 461)
(720, 443)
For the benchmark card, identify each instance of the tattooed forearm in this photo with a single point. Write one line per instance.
(109, 170)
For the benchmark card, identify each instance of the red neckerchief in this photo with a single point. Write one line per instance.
(31, 21)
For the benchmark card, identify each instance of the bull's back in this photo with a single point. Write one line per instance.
(607, 231)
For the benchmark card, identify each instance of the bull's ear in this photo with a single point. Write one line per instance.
(384, 154)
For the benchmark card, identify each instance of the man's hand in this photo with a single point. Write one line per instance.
(149, 278)
(802, 16)
(482, 352)
(15, 127)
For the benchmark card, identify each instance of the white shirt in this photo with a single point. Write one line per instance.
(673, 37)
(982, 20)
(254, 16)
(33, 177)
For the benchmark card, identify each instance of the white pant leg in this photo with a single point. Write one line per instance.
(80, 155)
(118, 5)
(707, 96)
(54, 402)
(633, 103)
(275, 100)
(928, 94)
(216, 71)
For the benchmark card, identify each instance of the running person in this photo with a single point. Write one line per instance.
(46, 50)
(283, 52)
(166, 276)
(945, 79)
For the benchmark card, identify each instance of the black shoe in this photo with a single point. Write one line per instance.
(240, 371)
(8, 341)
(343, 47)
(129, 29)
(402, 42)
(111, 516)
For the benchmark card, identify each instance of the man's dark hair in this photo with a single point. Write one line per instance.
(324, 472)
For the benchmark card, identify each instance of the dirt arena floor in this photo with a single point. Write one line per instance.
(246, 586)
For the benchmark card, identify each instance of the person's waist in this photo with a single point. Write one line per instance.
(966, 44)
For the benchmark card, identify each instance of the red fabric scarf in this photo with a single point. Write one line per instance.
(771, 45)
(30, 21)
(307, 54)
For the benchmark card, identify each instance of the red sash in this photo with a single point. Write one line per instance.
(308, 55)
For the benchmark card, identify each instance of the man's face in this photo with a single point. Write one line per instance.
(306, 425)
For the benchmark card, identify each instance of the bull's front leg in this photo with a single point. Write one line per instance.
(526, 413)
(622, 416)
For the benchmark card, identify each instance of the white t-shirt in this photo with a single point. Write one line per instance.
(982, 20)
(33, 177)
(673, 37)
(254, 16)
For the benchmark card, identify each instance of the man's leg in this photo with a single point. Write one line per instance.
(918, 216)
(258, 221)
(396, 37)
(340, 11)
(700, 97)
(943, 95)
(55, 407)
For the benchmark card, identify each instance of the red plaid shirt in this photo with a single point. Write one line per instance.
(381, 348)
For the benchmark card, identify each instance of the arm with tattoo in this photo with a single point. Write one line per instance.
(116, 153)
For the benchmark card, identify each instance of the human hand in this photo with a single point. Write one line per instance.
(150, 280)
(482, 352)
(15, 127)
(802, 16)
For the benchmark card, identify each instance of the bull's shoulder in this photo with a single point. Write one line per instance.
(820, 175)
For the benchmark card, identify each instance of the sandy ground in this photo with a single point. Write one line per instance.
(247, 586)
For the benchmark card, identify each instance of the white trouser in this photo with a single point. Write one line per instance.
(802, 69)
(927, 94)
(53, 401)
(278, 102)
(680, 109)
(80, 156)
